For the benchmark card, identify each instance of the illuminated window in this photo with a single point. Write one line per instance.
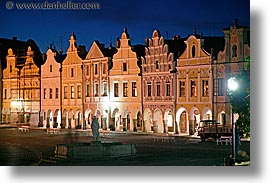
(87, 90)
(182, 88)
(221, 86)
(96, 89)
(149, 89)
(51, 93)
(193, 89)
(65, 92)
(158, 89)
(205, 88)
(116, 89)
(72, 72)
(78, 92)
(104, 89)
(72, 92)
(167, 88)
(134, 89)
(234, 51)
(96, 69)
(124, 66)
(56, 92)
(45, 93)
(125, 89)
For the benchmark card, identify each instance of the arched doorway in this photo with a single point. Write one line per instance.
(126, 120)
(138, 125)
(158, 126)
(206, 113)
(49, 119)
(71, 120)
(78, 117)
(88, 118)
(55, 118)
(148, 121)
(194, 120)
(65, 119)
(222, 118)
(168, 121)
(182, 120)
(116, 123)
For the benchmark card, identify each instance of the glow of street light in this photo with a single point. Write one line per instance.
(232, 84)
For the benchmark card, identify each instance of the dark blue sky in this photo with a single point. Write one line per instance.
(141, 17)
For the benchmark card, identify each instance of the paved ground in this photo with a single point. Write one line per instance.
(37, 148)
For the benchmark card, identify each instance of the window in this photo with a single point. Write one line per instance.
(65, 92)
(5, 94)
(72, 72)
(193, 51)
(116, 89)
(167, 88)
(125, 89)
(96, 90)
(220, 86)
(193, 89)
(10, 68)
(149, 89)
(51, 93)
(87, 70)
(96, 69)
(56, 92)
(157, 64)
(87, 90)
(104, 68)
(134, 89)
(78, 91)
(182, 88)
(234, 51)
(205, 88)
(72, 92)
(45, 93)
(158, 89)
(51, 68)
(104, 89)
(124, 66)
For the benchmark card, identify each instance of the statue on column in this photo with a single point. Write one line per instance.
(95, 128)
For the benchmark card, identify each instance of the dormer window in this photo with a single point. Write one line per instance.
(234, 51)
(193, 51)
(157, 64)
(124, 66)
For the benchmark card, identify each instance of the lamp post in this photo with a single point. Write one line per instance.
(232, 86)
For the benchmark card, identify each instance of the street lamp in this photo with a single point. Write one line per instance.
(233, 86)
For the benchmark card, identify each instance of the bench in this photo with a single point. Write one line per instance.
(165, 138)
(24, 129)
(53, 130)
(224, 139)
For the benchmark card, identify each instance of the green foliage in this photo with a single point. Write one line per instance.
(240, 100)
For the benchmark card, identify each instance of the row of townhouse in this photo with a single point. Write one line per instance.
(162, 86)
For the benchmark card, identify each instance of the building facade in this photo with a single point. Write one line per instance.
(125, 88)
(21, 89)
(194, 86)
(72, 87)
(96, 81)
(231, 61)
(50, 91)
(158, 90)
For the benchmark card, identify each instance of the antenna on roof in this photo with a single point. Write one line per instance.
(61, 50)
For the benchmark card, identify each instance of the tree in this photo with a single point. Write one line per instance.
(240, 100)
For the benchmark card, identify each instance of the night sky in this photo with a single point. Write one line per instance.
(141, 17)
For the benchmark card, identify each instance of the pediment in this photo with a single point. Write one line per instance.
(94, 51)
